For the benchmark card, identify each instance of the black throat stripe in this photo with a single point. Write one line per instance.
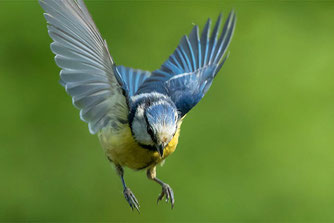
(148, 147)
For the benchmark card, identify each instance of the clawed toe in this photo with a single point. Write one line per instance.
(131, 199)
(168, 193)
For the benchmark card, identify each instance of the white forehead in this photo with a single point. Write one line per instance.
(165, 133)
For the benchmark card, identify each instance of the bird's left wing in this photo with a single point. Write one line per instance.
(188, 73)
(88, 71)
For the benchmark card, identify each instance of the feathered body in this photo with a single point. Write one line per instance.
(123, 150)
(137, 114)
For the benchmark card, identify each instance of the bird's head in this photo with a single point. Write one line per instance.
(155, 124)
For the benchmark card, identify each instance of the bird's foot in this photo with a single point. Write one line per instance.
(168, 193)
(131, 199)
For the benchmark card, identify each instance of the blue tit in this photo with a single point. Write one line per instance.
(136, 114)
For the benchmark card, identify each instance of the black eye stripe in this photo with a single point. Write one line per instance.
(149, 129)
(151, 133)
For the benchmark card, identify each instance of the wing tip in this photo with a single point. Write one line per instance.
(232, 18)
(91, 130)
(194, 31)
(220, 16)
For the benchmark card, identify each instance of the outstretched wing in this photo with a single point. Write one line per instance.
(88, 71)
(188, 73)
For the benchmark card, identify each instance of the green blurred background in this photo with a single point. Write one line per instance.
(258, 148)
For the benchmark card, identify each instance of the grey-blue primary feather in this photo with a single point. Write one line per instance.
(188, 73)
(88, 71)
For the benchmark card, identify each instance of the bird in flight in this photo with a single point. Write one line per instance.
(136, 114)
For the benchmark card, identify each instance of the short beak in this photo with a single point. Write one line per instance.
(160, 149)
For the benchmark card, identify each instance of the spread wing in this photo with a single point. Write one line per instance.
(88, 71)
(188, 73)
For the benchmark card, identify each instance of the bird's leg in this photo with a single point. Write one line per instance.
(129, 196)
(166, 189)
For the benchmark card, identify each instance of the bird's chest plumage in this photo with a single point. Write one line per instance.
(123, 150)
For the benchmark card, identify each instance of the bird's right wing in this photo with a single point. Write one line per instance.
(88, 71)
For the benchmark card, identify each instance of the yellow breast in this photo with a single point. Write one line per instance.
(123, 150)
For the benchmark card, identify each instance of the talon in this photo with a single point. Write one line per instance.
(131, 199)
(168, 192)
(161, 196)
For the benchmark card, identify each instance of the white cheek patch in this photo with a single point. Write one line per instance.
(139, 128)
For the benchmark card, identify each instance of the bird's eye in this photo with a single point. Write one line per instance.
(150, 130)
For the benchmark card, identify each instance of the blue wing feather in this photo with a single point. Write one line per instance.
(188, 73)
(196, 45)
(225, 39)
(213, 39)
(132, 78)
(205, 41)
